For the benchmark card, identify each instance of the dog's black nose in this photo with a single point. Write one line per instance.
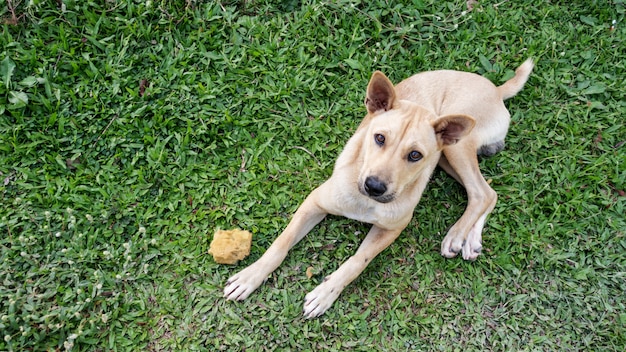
(374, 187)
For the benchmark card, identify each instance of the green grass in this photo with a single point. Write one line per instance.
(131, 130)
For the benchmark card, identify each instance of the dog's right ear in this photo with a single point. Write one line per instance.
(381, 94)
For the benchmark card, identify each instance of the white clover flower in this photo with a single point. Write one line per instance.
(89, 217)
(126, 245)
(69, 210)
(7, 338)
(58, 234)
(48, 214)
(72, 222)
(142, 230)
(153, 241)
(118, 276)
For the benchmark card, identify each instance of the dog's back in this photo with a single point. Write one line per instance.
(449, 92)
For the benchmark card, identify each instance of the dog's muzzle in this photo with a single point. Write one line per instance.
(374, 188)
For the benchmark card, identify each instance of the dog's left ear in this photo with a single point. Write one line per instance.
(381, 95)
(451, 128)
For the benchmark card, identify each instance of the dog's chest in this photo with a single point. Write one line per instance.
(357, 207)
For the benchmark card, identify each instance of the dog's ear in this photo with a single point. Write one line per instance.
(380, 94)
(451, 128)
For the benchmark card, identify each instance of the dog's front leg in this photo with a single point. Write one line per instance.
(309, 214)
(323, 296)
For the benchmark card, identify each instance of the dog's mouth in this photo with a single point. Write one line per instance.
(384, 199)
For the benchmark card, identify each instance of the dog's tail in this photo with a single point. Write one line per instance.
(515, 84)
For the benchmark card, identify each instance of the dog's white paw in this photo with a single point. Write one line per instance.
(474, 241)
(320, 299)
(470, 246)
(452, 244)
(242, 284)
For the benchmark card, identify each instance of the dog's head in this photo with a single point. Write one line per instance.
(402, 142)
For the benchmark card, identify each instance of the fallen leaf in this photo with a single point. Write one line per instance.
(598, 138)
(309, 272)
(71, 163)
(143, 84)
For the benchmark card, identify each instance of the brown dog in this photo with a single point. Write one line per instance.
(443, 118)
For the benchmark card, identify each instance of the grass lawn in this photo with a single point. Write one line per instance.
(131, 130)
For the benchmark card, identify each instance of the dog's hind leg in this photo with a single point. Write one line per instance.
(309, 214)
(466, 234)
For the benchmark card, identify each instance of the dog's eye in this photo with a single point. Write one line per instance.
(415, 156)
(379, 138)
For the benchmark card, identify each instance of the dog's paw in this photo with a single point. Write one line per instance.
(470, 246)
(473, 244)
(320, 299)
(452, 244)
(242, 284)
